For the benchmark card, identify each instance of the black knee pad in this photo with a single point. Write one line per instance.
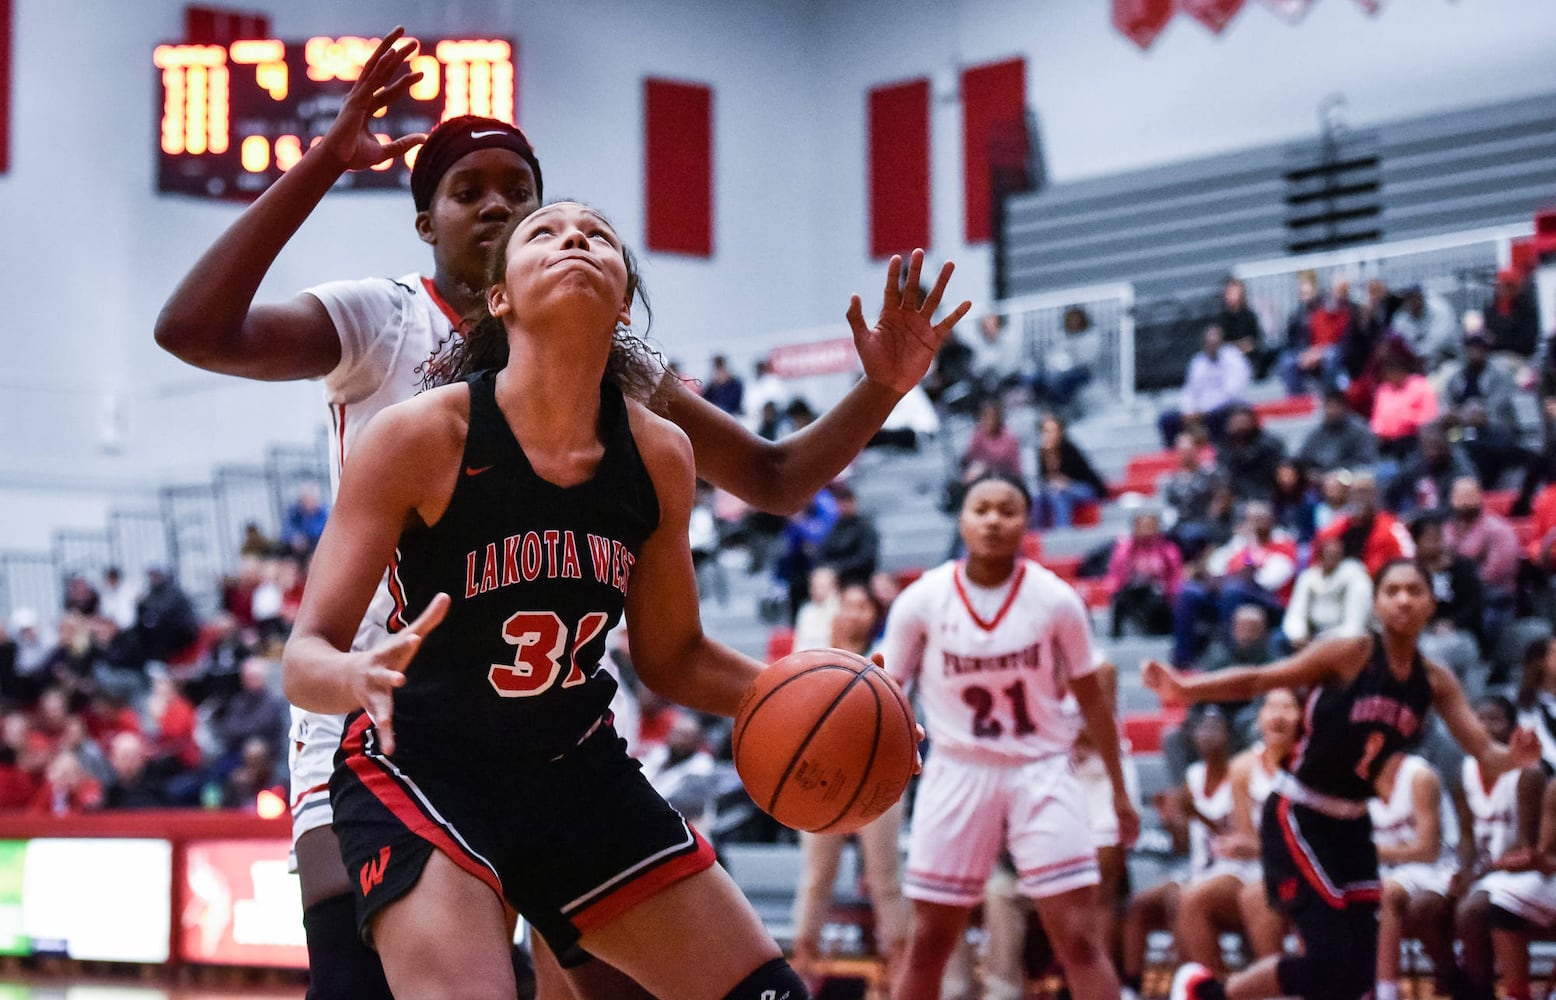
(340, 966)
(773, 981)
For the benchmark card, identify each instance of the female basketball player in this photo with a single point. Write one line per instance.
(1368, 697)
(1407, 827)
(854, 628)
(1253, 778)
(482, 775)
(368, 339)
(988, 641)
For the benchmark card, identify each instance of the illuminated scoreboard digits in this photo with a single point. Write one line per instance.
(233, 118)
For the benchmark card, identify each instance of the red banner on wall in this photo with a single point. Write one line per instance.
(1213, 14)
(823, 357)
(678, 164)
(899, 168)
(241, 905)
(994, 98)
(1142, 20)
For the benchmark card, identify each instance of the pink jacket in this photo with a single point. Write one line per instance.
(1157, 560)
(1398, 411)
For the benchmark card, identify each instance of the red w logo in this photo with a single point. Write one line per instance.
(373, 871)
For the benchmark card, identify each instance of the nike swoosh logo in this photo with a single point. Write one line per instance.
(483, 135)
(471, 470)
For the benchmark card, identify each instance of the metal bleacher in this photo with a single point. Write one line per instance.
(1174, 231)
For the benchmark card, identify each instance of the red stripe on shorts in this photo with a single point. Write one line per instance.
(387, 790)
(610, 907)
(1298, 849)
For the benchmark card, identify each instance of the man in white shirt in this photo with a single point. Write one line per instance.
(1218, 380)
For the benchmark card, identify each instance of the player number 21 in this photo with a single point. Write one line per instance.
(981, 701)
(540, 638)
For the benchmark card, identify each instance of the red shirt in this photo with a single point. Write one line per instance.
(1388, 539)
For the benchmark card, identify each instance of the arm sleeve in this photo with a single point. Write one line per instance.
(907, 626)
(365, 313)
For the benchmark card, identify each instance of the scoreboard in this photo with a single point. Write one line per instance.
(233, 118)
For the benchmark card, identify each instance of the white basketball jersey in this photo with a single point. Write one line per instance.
(1213, 804)
(990, 663)
(388, 329)
(1495, 810)
(1261, 782)
(1394, 818)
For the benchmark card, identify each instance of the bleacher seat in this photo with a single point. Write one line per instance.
(1150, 466)
(780, 643)
(1290, 406)
(1087, 514)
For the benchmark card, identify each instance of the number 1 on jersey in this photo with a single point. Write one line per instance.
(540, 638)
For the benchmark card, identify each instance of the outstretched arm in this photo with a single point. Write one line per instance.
(1522, 751)
(1338, 657)
(782, 476)
(210, 320)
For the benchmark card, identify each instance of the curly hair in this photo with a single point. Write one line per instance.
(481, 344)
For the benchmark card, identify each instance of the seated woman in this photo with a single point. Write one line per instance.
(1143, 576)
(1065, 477)
(1333, 595)
(1407, 827)
(1404, 404)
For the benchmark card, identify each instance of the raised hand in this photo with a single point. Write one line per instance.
(350, 139)
(1128, 820)
(382, 670)
(1162, 679)
(899, 349)
(1524, 747)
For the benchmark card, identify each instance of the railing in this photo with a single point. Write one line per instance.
(1461, 267)
(1039, 319)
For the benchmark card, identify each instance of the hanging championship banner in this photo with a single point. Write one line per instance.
(1142, 20)
(1290, 11)
(1213, 14)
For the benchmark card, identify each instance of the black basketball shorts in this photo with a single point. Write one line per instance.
(570, 843)
(1310, 857)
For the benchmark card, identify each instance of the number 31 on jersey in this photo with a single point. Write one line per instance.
(540, 638)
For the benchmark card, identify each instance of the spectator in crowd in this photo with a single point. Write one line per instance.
(304, 520)
(171, 724)
(999, 363)
(1333, 595)
(1293, 500)
(256, 771)
(1334, 496)
(1482, 379)
(1256, 567)
(1065, 478)
(798, 414)
(68, 788)
(852, 546)
(1427, 325)
(1242, 329)
(1067, 366)
(1217, 382)
(1494, 449)
(992, 448)
(682, 770)
(1316, 333)
(1536, 698)
(702, 532)
(725, 389)
(80, 596)
(1425, 479)
(950, 380)
(1404, 404)
(1541, 550)
(256, 710)
(1456, 637)
(813, 621)
(133, 786)
(1511, 317)
(1368, 532)
(165, 621)
(910, 421)
(22, 761)
(1340, 440)
(118, 598)
(1250, 455)
(1143, 577)
(1187, 491)
(767, 389)
(1487, 540)
(769, 421)
(31, 657)
(256, 544)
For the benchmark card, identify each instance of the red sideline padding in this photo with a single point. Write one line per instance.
(157, 824)
(1291, 406)
(780, 643)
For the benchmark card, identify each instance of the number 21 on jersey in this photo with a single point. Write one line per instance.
(540, 639)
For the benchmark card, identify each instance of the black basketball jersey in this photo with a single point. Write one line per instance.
(1352, 731)
(538, 575)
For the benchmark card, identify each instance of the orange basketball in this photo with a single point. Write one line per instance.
(824, 741)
